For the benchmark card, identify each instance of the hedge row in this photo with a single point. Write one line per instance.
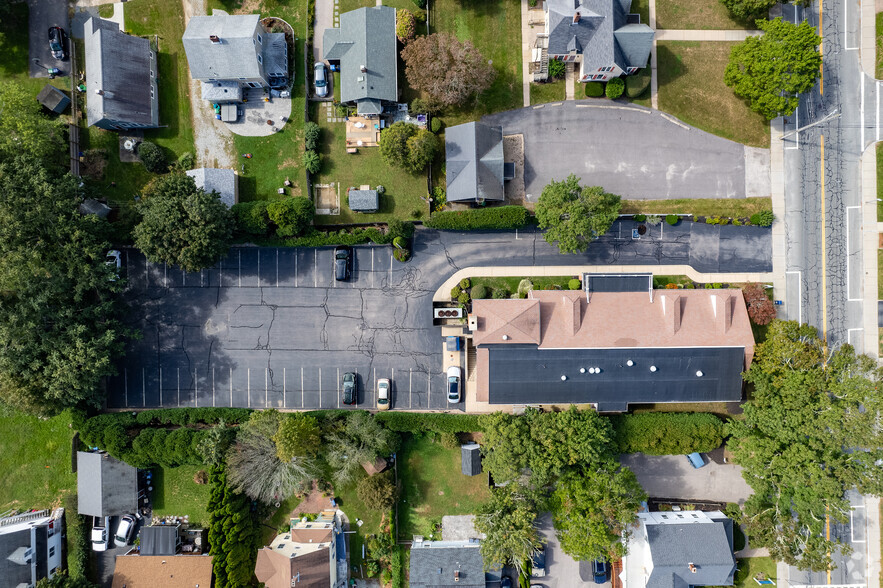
(667, 433)
(358, 236)
(410, 422)
(167, 416)
(497, 217)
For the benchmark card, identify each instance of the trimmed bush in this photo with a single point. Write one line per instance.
(500, 294)
(406, 25)
(615, 88)
(639, 218)
(594, 89)
(435, 125)
(574, 284)
(455, 292)
(764, 218)
(637, 84)
(463, 298)
(400, 243)
(496, 217)
(251, 217)
(672, 219)
(556, 68)
(465, 283)
(312, 132)
(415, 422)
(479, 292)
(152, 157)
(667, 433)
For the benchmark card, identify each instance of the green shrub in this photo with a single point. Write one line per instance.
(639, 218)
(654, 219)
(439, 198)
(737, 222)
(695, 218)
(312, 161)
(465, 283)
(291, 215)
(153, 158)
(406, 25)
(574, 284)
(615, 88)
(416, 213)
(436, 124)
(185, 162)
(636, 85)
(764, 218)
(312, 132)
(711, 220)
(500, 294)
(494, 217)
(455, 292)
(708, 286)
(463, 298)
(556, 68)
(420, 3)
(251, 217)
(667, 433)
(416, 422)
(399, 228)
(450, 440)
(479, 292)
(524, 286)
(717, 285)
(400, 243)
(672, 219)
(402, 255)
(594, 89)
(381, 190)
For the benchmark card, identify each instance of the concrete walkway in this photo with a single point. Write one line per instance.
(525, 53)
(569, 79)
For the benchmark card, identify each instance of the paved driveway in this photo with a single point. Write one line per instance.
(671, 476)
(562, 571)
(631, 151)
(270, 327)
(43, 14)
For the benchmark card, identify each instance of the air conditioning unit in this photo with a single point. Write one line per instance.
(446, 313)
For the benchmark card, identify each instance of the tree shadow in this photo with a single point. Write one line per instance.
(670, 67)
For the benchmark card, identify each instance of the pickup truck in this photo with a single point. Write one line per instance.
(99, 533)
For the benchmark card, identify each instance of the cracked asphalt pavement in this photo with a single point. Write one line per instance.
(270, 327)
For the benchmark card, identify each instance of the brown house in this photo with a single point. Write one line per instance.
(150, 571)
(305, 556)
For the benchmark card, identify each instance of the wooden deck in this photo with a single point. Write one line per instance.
(362, 129)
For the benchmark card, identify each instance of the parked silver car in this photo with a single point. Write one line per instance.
(321, 79)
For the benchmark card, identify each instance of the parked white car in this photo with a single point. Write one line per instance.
(383, 394)
(99, 533)
(124, 531)
(454, 384)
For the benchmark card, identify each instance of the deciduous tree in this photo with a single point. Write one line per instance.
(183, 225)
(771, 70)
(298, 435)
(291, 215)
(394, 143)
(377, 491)
(574, 216)
(508, 519)
(422, 148)
(446, 70)
(761, 309)
(360, 439)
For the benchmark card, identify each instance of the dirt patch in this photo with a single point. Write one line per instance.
(326, 198)
(513, 152)
(313, 502)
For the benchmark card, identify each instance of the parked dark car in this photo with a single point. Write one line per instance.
(57, 42)
(599, 571)
(350, 388)
(538, 563)
(343, 262)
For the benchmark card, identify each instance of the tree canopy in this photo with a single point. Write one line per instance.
(749, 9)
(573, 215)
(25, 129)
(360, 439)
(811, 407)
(447, 71)
(183, 225)
(59, 323)
(291, 215)
(508, 522)
(771, 70)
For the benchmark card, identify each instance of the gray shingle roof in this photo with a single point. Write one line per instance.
(159, 540)
(470, 459)
(474, 162)
(105, 486)
(222, 181)
(366, 37)
(363, 200)
(123, 68)
(53, 99)
(635, 41)
(234, 57)
(708, 546)
(433, 564)
(14, 569)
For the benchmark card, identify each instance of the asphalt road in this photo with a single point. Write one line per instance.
(631, 151)
(270, 327)
(43, 14)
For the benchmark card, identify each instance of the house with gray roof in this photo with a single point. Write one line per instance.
(474, 163)
(437, 564)
(602, 37)
(223, 181)
(30, 547)
(229, 53)
(120, 78)
(105, 486)
(365, 48)
(678, 550)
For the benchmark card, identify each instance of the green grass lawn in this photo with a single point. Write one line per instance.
(748, 568)
(879, 55)
(879, 149)
(175, 493)
(641, 7)
(730, 207)
(698, 14)
(494, 27)
(880, 274)
(105, 10)
(354, 509)
(547, 92)
(432, 486)
(691, 87)
(404, 191)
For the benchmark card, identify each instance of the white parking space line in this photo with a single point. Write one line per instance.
(143, 388)
(320, 387)
(160, 386)
(374, 389)
(428, 389)
(338, 387)
(852, 525)
(165, 275)
(183, 278)
(283, 387)
(179, 386)
(410, 390)
(301, 387)
(259, 268)
(196, 387)
(277, 268)
(799, 294)
(213, 386)
(316, 273)
(248, 376)
(202, 278)
(126, 385)
(295, 268)
(239, 251)
(390, 270)
(266, 387)
(231, 387)
(372, 267)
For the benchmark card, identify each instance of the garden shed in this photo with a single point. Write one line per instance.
(53, 99)
(363, 200)
(470, 459)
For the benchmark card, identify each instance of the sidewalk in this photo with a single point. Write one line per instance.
(724, 35)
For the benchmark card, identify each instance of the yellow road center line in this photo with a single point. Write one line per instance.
(824, 274)
(828, 537)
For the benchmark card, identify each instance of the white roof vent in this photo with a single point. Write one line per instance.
(630, 363)
(582, 370)
(699, 374)
(505, 337)
(563, 378)
(652, 368)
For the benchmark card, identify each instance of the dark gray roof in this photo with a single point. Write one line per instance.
(474, 162)
(602, 33)
(433, 564)
(470, 459)
(366, 37)
(524, 374)
(105, 486)
(363, 200)
(618, 282)
(220, 180)
(14, 569)
(708, 546)
(159, 540)
(53, 99)
(92, 206)
(123, 67)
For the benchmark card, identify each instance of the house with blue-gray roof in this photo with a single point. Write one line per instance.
(602, 37)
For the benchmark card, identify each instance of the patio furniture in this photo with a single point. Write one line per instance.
(352, 150)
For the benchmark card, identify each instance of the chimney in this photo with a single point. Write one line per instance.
(692, 568)
(576, 18)
(456, 575)
(214, 39)
(363, 69)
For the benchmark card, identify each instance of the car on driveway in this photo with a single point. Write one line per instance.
(599, 571)
(99, 533)
(383, 394)
(321, 79)
(538, 563)
(114, 260)
(57, 42)
(124, 531)
(454, 384)
(343, 262)
(350, 388)
(696, 460)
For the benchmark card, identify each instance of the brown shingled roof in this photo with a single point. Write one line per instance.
(517, 320)
(150, 571)
(299, 535)
(276, 570)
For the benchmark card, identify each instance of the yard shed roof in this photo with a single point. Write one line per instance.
(222, 181)
(105, 485)
(159, 540)
(474, 162)
(53, 99)
(438, 564)
(145, 571)
(363, 200)
(470, 459)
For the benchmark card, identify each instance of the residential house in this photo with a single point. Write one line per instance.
(678, 550)
(618, 342)
(146, 571)
(53, 99)
(602, 37)
(223, 181)
(364, 46)
(30, 547)
(105, 486)
(120, 78)
(306, 556)
(474, 163)
(230, 54)
(437, 564)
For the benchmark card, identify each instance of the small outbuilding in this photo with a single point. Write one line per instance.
(364, 200)
(222, 181)
(470, 459)
(53, 99)
(96, 207)
(105, 486)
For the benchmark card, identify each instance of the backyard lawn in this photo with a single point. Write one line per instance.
(729, 207)
(494, 27)
(176, 494)
(547, 92)
(354, 509)
(748, 568)
(698, 14)
(405, 192)
(432, 486)
(691, 87)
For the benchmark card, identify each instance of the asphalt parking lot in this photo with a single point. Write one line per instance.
(562, 571)
(672, 476)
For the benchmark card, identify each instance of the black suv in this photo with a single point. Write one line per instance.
(350, 388)
(57, 42)
(343, 262)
